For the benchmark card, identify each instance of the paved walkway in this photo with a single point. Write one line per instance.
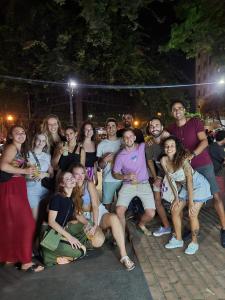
(171, 274)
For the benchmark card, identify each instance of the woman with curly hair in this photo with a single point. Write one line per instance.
(86, 138)
(188, 186)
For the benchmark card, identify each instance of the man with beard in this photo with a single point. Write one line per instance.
(128, 123)
(192, 134)
(153, 154)
(130, 167)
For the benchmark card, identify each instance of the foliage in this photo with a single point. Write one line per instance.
(200, 28)
(92, 41)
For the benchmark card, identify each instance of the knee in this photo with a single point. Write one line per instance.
(113, 218)
(98, 239)
(150, 213)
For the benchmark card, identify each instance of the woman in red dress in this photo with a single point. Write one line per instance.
(17, 224)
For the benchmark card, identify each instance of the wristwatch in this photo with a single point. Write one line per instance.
(193, 153)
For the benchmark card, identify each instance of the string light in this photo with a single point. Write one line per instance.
(107, 86)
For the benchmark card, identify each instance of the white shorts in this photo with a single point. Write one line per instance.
(101, 212)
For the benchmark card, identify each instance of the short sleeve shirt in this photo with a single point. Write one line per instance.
(132, 162)
(154, 152)
(188, 136)
(64, 206)
(104, 147)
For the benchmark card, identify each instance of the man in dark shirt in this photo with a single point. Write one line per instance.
(128, 123)
(154, 153)
(217, 153)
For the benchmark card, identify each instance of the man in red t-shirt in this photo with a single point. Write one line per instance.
(192, 134)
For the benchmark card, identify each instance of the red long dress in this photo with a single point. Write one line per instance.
(17, 224)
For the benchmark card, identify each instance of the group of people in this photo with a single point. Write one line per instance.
(64, 164)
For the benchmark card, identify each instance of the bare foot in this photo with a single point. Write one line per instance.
(62, 260)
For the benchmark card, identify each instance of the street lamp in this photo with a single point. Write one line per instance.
(71, 86)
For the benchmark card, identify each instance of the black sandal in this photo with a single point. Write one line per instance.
(33, 269)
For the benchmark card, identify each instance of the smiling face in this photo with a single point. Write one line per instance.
(53, 125)
(155, 128)
(127, 120)
(18, 135)
(178, 111)
(79, 175)
(88, 131)
(170, 148)
(111, 129)
(71, 135)
(129, 138)
(68, 181)
(40, 141)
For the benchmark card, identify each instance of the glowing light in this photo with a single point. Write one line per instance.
(222, 81)
(72, 84)
(90, 116)
(136, 123)
(10, 118)
(159, 114)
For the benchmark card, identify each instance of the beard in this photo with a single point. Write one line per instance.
(156, 133)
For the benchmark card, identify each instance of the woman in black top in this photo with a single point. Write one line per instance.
(86, 138)
(68, 153)
(60, 218)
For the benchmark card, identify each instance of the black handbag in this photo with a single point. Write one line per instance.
(4, 176)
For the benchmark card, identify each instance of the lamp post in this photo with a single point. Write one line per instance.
(71, 86)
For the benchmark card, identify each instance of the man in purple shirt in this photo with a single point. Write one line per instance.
(192, 134)
(130, 167)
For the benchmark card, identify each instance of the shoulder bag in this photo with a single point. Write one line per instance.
(52, 238)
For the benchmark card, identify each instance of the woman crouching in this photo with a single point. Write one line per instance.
(188, 186)
(60, 218)
(88, 208)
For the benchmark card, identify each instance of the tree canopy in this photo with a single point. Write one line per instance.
(200, 27)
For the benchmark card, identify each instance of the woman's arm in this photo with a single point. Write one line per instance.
(56, 156)
(8, 156)
(82, 156)
(57, 227)
(189, 180)
(171, 183)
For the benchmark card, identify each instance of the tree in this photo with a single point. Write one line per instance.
(200, 28)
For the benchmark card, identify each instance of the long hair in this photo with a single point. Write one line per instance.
(60, 190)
(44, 127)
(79, 191)
(24, 146)
(181, 153)
(81, 133)
(46, 148)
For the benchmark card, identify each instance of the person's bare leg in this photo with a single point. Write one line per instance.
(176, 217)
(147, 217)
(120, 211)
(194, 222)
(161, 210)
(112, 221)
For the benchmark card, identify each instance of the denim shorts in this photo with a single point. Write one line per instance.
(108, 191)
(208, 172)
